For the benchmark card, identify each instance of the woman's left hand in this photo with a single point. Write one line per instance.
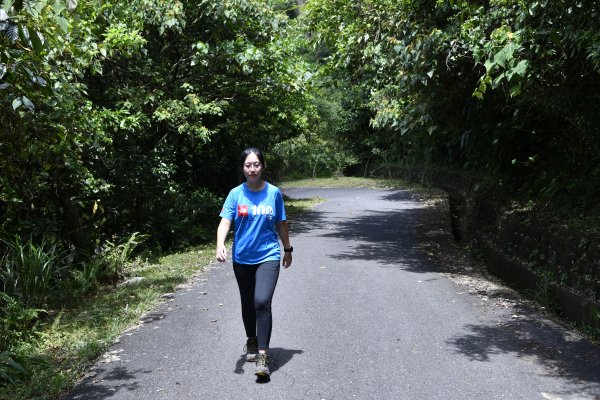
(287, 260)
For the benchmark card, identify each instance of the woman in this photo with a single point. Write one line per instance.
(258, 214)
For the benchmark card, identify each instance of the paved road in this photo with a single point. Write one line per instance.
(360, 315)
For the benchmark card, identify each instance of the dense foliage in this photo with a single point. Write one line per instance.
(508, 87)
(124, 117)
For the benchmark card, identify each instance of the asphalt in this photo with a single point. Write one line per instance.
(361, 314)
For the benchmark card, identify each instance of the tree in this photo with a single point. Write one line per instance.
(505, 87)
(128, 117)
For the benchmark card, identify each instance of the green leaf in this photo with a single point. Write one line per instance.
(59, 6)
(39, 7)
(489, 65)
(24, 33)
(15, 365)
(63, 24)
(521, 67)
(498, 80)
(3, 19)
(27, 103)
(36, 41)
(71, 5)
(41, 81)
(12, 33)
(515, 90)
(506, 54)
(17, 103)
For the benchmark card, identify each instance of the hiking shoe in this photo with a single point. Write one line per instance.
(262, 365)
(251, 349)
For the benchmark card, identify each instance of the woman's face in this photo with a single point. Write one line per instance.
(252, 168)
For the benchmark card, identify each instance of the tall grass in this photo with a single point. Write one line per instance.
(29, 275)
(109, 265)
(35, 280)
(17, 322)
(11, 369)
(30, 272)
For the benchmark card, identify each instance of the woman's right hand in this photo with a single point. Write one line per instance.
(222, 230)
(221, 253)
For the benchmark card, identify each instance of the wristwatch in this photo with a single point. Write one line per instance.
(289, 250)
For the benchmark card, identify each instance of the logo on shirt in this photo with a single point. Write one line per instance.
(262, 210)
(242, 210)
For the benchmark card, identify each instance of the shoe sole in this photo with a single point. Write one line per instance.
(262, 374)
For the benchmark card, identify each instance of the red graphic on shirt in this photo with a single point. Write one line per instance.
(242, 210)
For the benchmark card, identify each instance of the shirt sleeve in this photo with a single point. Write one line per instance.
(279, 207)
(229, 207)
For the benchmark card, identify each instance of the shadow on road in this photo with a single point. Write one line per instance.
(282, 356)
(152, 317)
(308, 221)
(279, 357)
(116, 380)
(382, 236)
(561, 354)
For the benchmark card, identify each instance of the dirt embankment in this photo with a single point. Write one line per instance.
(557, 265)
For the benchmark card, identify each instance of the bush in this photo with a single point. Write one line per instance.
(187, 218)
(110, 263)
(10, 369)
(17, 323)
(31, 272)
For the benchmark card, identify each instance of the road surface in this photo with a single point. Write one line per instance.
(361, 314)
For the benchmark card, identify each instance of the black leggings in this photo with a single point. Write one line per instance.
(257, 285)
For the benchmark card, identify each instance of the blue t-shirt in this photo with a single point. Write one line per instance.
(254, 216)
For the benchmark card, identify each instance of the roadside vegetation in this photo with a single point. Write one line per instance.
(345, 182)
(359, 182)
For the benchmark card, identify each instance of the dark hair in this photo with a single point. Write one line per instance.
(250, 150)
